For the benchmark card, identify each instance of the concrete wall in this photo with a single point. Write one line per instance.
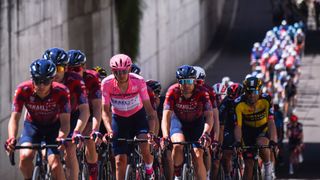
(173, 32)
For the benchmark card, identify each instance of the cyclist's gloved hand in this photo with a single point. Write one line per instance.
(61, 142)
(107, 137)
(96, 136)
(10, 144)
(205, 139)
(151, 137)
(77, 137)
(272, 144)
(164, 142)
(237, 144)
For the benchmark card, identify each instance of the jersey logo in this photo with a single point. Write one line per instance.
(237, 100)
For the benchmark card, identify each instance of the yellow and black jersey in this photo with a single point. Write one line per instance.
(255, 116)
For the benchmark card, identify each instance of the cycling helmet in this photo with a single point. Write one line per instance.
(42, 69)
(76, 58)
(219, 88)
(154, 85)
(293, 118)
(186, 72)
(135, 69)
(252, 84)
(57, 55)
(120, 62)
(201, 74)
(102, 72)
(256, 45)
(234, 90)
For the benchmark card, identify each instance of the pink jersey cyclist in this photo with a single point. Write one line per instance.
(127, 103)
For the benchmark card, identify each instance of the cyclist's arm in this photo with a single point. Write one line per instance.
(238, 126)
(166, 122)
(216, 124)
(106, 117)
(64, 125)
(209, 123)
(151, 114)
(13, 125)
(96, 107)
(272, 130)
(83, 117)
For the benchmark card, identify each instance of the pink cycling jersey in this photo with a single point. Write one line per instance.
(127, 103)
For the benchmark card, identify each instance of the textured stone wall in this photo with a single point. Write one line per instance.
(173, 32)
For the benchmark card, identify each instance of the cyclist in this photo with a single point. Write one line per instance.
(290, 91)
(135, 69)
(101, 71)
(127, 93)
(77, 64)
(295, 136)
(227, 121)
(220, 91)
(79, 105)
(214, 134)
(254, 113)
(46, 119)
(154, 89)
(187, 116)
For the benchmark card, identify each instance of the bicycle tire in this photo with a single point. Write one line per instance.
(256, 172)
(221, 175)
(110, 175)
(84, 174)
(165, 165)
(102, 171)
(130, 175)
(36, 173)
(236, 174)
(187, 172)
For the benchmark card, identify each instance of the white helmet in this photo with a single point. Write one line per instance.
(201, 74)
(219, 89)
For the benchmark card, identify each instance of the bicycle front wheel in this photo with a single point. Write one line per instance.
(130, 174)
(36, 173)
(221, 175)
(84, 172)
(187, 172)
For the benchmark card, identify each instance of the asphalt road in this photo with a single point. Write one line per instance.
(230, 53)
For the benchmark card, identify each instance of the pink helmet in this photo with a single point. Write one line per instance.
(120, 62)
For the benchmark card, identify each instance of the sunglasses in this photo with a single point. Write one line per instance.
(60, 68)
(186, 81)
(75, 68)
(120, 72)
(253, 92)
(45, 82)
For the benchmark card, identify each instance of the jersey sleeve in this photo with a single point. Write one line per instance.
(206, 101)
(80, 88)
(238, 111)
(105, 94)
(269, 109)
(95, 88)
(18, 100)
(143, 91)
(169, 100)
(64, 101)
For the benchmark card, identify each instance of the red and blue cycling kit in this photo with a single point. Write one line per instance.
(128, 114)
(191, 109)
(188, 114)
(212, 95)
(93, 85)
(152, 97)
(42, 117)
(78, 95)
(42, 111)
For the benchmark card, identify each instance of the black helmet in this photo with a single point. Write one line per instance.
(57, 55)
(42, 69)
(76, 58)
(186, 72)
(252, 84)
(154, 85)
(234, 90)
(102, 72)
(135, 69)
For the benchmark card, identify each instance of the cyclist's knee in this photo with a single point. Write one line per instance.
(26, 156)
(177, 148)
(120, 160)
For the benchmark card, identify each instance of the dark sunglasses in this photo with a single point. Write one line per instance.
(75, 68)
(45, 82)
(186, 81)
(253, 92)
(120, 72)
